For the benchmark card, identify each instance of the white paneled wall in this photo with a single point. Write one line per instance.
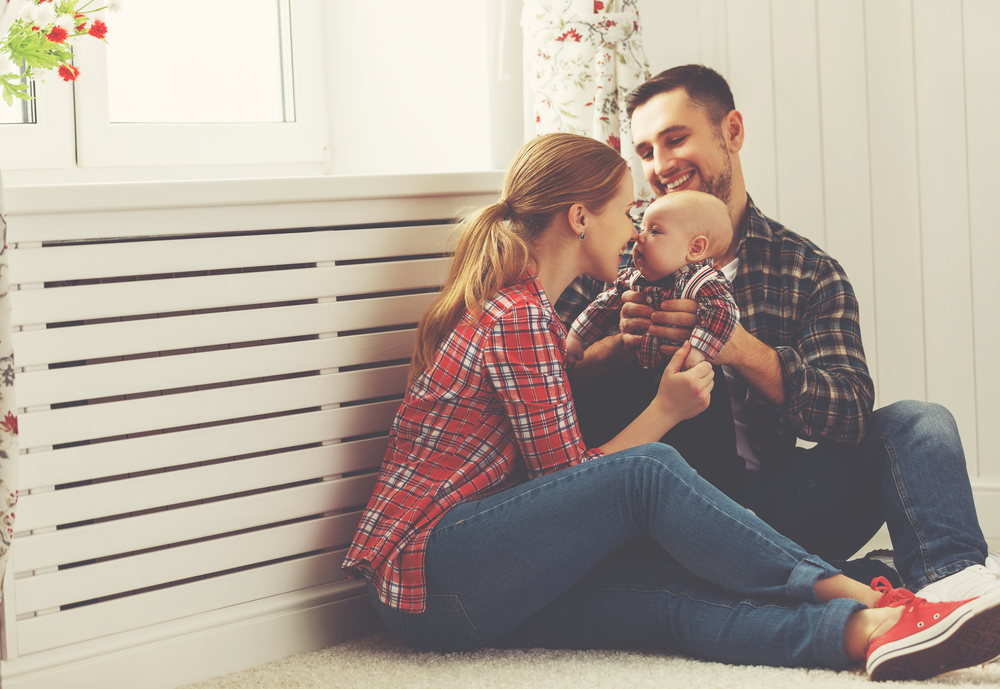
(870, 131)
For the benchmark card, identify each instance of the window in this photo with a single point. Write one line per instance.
(228, 65)
(266, 88)
(119, 128)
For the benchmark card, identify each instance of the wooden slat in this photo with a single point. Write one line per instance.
(750, 59)
(845, 141)
(797, 121)
(54, 386)
(88, 622)
(164, 256)
(112, 577)
(72, 505)
(179, 221)
(131, 455)
(895, 195)
(101, 340)
(116, 537)
(982, 74)
(42, 306)
(941, 145)
(73, 424)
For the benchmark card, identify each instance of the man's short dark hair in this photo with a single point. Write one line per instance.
(706, 87)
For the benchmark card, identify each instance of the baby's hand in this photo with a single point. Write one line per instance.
(695, 356)
(575, 347)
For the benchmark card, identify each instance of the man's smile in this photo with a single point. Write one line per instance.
(670, 186)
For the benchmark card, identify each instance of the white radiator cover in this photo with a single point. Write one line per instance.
(206, 376)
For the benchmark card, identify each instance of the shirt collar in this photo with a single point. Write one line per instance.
(533, 286)
(755, 227)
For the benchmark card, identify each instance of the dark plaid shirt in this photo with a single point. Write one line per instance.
(795, 298)
(492, 411)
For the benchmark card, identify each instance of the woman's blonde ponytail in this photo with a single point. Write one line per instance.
(548, 175)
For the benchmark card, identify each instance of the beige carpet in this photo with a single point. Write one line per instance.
(382, 662)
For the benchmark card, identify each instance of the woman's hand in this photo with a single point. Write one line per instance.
(575, 348)
(685, 394)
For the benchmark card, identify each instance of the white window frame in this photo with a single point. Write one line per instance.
(48, 142)
(101, 143)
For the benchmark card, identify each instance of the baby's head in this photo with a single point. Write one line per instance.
(680, 228)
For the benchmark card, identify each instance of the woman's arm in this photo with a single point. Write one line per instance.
(681, 395)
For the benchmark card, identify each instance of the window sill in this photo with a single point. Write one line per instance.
(88, 197)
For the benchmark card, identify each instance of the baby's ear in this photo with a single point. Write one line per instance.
(698, 249)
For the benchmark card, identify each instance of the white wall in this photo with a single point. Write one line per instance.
(869, 132)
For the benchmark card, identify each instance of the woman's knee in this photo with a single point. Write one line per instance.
(657, 462)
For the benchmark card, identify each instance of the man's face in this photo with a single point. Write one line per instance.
(680, 148)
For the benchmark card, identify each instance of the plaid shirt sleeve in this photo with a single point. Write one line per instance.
(602, 315)
(717, 310)
(798, 300)
(523, 359)
(832, 394)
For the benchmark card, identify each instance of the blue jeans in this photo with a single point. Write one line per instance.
(538, 564)
(909, 472)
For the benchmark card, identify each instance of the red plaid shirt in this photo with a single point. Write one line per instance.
(717, 310)
(493, 410)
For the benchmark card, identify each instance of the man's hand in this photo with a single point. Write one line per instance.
(758, 363)
(672, 321)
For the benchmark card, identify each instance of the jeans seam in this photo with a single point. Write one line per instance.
(905, 502)
(757, 604)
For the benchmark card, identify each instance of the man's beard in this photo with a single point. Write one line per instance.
(721, 186)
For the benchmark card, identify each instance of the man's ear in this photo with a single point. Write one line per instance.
(732, 130)
(578, 218)
(697, 249)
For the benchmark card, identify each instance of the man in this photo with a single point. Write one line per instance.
(796, 369)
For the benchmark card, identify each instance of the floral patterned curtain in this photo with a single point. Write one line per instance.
(9, 461)
(582, 58)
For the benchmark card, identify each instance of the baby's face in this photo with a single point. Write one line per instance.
(662, 246)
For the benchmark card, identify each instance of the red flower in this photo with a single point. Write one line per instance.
(69, 72)
(570, 34)
(598, 6)
(10, 423)
(98, 29)
(615, 143)
(57, 35)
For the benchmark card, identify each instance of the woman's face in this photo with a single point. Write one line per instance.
(609, 233)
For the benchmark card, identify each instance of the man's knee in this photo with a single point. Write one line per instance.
(913, 417)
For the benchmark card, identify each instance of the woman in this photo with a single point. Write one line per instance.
(490, 516)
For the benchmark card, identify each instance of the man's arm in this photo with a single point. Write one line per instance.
(755, 361)
(603, 355)
(819, 378)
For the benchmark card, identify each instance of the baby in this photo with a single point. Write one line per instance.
(682, 233)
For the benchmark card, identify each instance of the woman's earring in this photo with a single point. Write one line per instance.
(582, 235)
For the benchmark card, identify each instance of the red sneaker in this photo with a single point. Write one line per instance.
(932, 638)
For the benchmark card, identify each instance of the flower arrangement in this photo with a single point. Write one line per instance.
(37, 36)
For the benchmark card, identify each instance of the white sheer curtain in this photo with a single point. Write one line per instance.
(582, 57)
